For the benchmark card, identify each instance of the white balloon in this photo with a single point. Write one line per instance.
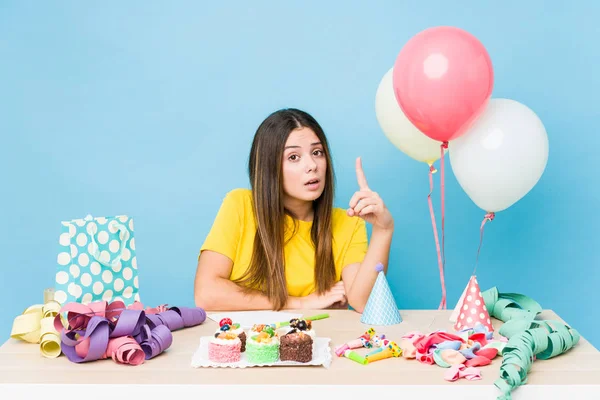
(398, 128)
(502, 156)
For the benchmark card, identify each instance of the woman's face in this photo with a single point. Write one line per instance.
(304, 166)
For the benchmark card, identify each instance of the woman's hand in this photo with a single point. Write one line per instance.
(335, 296)
(367, 204)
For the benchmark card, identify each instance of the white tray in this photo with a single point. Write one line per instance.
(321, 356)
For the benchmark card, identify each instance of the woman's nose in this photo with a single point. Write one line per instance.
(311, 165)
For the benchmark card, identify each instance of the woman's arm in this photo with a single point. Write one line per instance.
(360, 278)
(214, 291)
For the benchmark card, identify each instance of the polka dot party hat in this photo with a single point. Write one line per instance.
(471, 308)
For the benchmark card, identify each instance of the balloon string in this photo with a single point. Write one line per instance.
(443, 147)
(437, 241)
(488, 217)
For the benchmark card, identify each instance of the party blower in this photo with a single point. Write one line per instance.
(354, 356)
(287, 323)
(392, 350)
(362, 341)
(380, 343)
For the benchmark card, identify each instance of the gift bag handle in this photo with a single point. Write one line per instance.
(96, 255)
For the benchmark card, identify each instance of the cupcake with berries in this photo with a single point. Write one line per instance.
(226, 325)
(262, 345)
(297, 344)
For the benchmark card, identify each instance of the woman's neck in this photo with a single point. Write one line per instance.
(302, 210)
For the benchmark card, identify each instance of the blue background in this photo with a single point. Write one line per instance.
(148, 109)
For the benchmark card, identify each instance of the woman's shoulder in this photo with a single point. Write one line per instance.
(238, 201)
(240, 195)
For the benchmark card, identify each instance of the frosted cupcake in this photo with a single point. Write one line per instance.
(262, 345)
(225, 347)
(225, 325)
(296, 346)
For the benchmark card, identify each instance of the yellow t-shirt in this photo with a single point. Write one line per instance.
(232, 234)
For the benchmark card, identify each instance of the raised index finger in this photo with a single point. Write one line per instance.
(360, 175)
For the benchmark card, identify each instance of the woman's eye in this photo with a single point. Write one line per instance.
(318, 152)
(293, 157)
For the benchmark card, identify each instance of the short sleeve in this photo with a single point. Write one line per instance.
(225, 233)
(358, 246)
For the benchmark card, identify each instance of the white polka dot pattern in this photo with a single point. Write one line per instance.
(473, 310)
(74, 251)
(97, 261)
(86, 279)
(119, 285)
(75, 290)
(128, 292)
(74, 270)
(114, 246)
(92, 248)
(64, 258)
(127, 273)
(126, 255)
(83, 260)
(103, 237)
(81, 239)
(87, 298)
(107, 276)
(62, 277)
(104, 256)
(64, 239)
(91, 228)
(98, 288)
(107, 295)
(95, 268)
(60, 296)
(118, 266)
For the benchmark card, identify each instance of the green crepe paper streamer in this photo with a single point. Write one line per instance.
(540, 340)
(508, 306)
(528, 339)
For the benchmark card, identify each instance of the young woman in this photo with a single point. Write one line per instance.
(282, 244)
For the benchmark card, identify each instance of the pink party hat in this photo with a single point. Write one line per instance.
(471, 308)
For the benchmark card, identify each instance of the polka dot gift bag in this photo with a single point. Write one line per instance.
(97, 261)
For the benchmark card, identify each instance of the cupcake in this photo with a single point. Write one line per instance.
(225, 347)
(262, 345)
(296, 346)
(225, 325)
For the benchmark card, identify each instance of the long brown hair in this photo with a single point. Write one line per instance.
(267, 267)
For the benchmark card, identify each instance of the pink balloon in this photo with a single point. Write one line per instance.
(443, 80)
